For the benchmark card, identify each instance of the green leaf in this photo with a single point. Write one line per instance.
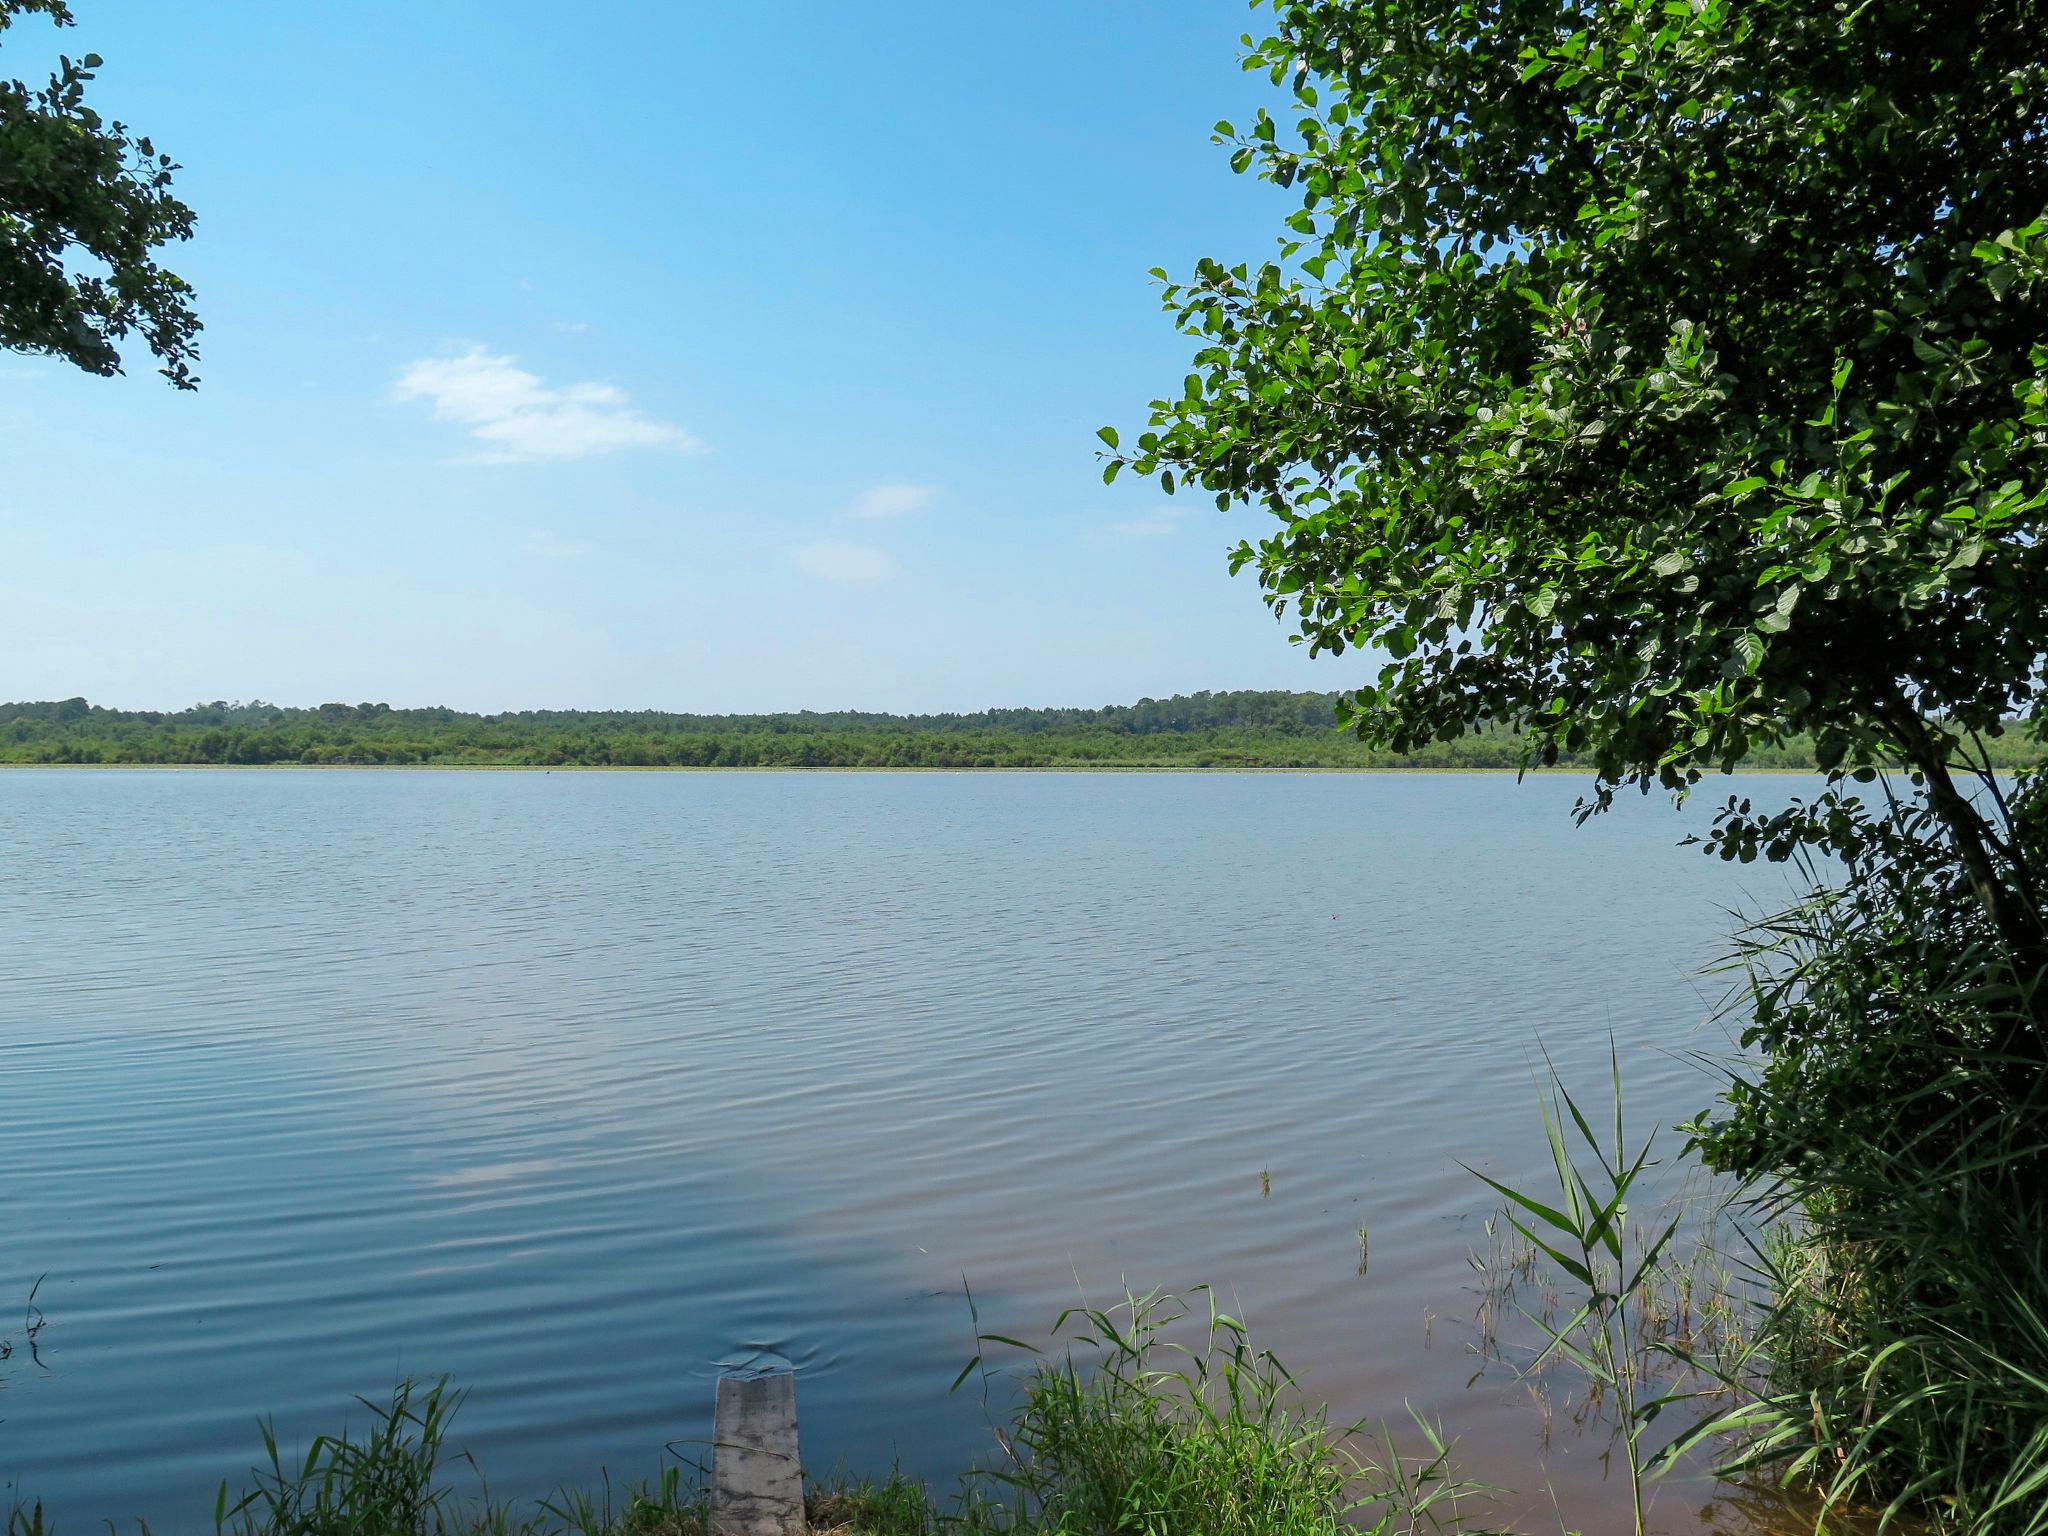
(1654, 406)
(1549, 1214)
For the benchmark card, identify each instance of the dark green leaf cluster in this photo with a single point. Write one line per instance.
(1896, 1102)
(84, 206)
(1660, 381)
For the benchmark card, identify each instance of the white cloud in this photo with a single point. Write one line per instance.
(834, 560)
(547, 545)
(893, 500)
(572, 327)
(1160, 520)
(517, 418)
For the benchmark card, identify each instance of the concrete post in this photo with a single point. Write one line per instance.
(757, 1480)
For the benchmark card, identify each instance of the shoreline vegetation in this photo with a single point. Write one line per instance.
(1229, 730)
(1368, 770)
(1159, 1414)
(1156, 1414)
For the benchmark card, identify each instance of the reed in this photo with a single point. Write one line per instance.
(1132, 1430)
(1126, 1430)
(1894, 1141)
(1882, 1352)
(1591, 1236)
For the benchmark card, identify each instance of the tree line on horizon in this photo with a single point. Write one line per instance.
(1240, 729)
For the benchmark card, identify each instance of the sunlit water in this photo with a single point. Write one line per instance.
(579, 1087)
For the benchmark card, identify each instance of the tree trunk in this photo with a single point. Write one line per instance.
(2016, 920)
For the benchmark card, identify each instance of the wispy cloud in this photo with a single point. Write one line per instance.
(1160, 520)
(893, 500)
(517, 418)
(837, 561)
(572, 327)
(551, 547)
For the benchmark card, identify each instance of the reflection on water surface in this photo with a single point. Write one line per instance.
(578, 1086)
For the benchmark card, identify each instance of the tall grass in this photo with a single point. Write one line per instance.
(1127, 1432)
(386, 1480)
(1888, 1143)
(1132, 1430)
(1893, 1365)
(390, 1481)
(1896, 1136)
(1590, 1234)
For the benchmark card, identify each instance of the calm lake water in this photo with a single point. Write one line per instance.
(580, 1087)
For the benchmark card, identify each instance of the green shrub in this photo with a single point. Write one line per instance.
(1896, 1129)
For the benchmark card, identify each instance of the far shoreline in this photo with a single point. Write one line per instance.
(906, 768)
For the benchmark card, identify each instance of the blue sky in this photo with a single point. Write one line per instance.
(688, 356)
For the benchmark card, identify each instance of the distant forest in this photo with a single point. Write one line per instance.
(1202, 730)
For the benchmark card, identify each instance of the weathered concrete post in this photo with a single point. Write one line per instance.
(757, 1480)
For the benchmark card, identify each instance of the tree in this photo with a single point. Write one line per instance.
(83, 208)
(1658, 378)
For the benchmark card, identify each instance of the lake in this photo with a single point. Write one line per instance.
(582, 1086)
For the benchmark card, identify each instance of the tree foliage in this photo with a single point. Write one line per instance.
(1663, 381)
(1200, 730)
(1659, 379)
(84, 207)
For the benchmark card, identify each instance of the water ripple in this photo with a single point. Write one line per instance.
(585, 1087)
